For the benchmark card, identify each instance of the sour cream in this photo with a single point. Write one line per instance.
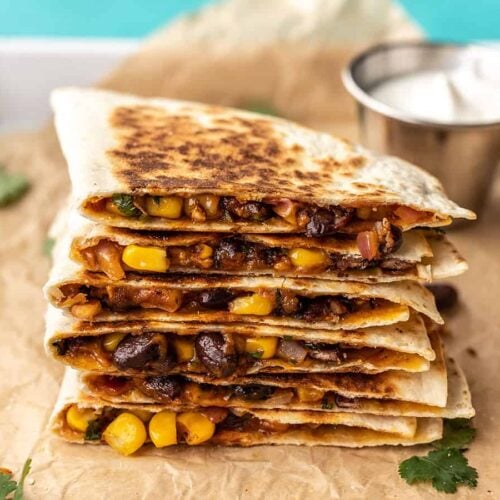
(469, 93)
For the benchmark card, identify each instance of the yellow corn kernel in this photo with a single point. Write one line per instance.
(195, 427)
(205, 251)
(261, 347)
(111, 341)
(125, 434)
(163, 429)
(169, 207)
(252, 304)
(184, 349)
(144, 415)
(78, 418)
(303, 257)
(146, 258)
(111, 207)
(309, 394)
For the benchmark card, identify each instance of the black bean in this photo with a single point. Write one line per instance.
(217, 353)
(323, 352)
(253, 392)
(446, 295)
(323, 222)
(135, 351)
(217, 298)
(229, 254)
(162, 388)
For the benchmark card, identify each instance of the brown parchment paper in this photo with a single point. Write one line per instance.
(303, 84)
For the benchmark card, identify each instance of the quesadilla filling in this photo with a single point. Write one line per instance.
(238, 254)
(215, 353)
(128, 430)
(179, 390)
(312, 220)
(87, 302)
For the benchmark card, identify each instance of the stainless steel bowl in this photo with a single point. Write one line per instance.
(463, 156)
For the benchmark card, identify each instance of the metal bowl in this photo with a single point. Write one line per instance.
(463, 156)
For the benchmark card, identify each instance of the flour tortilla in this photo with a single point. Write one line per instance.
(347, 429)
(428, 388)
(458, 405)
(403, 346)
(409, 337)
(415, 250)
(403, 296)
(118, 143)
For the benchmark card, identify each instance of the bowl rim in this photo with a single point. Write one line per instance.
(364, 98)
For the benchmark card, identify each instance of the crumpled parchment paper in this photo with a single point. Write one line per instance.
(301, 80)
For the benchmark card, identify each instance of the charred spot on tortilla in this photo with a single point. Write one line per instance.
(152, 142)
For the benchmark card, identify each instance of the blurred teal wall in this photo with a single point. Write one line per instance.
(459, 20)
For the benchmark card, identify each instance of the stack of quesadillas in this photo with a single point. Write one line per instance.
(227, 278)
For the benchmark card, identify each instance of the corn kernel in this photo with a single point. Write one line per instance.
(252, 304)
(146, 258)
(125, 434)
(111, 341)
(144, 415)
(205, 251)
(163, 429)
(169, 207)
(302, 257)
(79, 418)
(184, 349)
(309, 394)
(195, 427)
(261, 347)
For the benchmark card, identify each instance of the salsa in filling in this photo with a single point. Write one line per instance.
(237, 254)
(128, 430)
(218, 354)
(179, 390)
(310, 219)
(87, 302)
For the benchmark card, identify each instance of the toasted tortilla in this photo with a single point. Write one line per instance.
(459, 404)
(401, 296)
(340, 429)
(117, 143)
(416, 251)
(404, 346)
(427, 388)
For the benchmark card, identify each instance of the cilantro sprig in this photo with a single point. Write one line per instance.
(8, 485)
(261, 107)
(446, 466)
(125, 204)
(12, 187)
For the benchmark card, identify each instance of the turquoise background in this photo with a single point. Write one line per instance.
(458, 20)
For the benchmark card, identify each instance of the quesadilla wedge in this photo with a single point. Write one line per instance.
(160, 164)
(289, 302)
(118, 251)
(81, 419)
(160, 348)
(184, 393)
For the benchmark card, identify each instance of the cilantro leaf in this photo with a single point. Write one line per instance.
(7, 485)
(125, 204)
(12, 187)
(446, 468)
(256, 354)
(48, 246)
(18, 495)
(261, 107)
(457, 434)
(94, 430)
